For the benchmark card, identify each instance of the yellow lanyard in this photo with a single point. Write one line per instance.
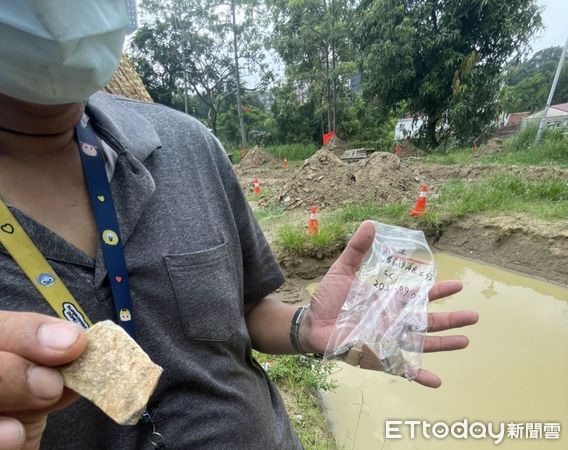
(18, 244)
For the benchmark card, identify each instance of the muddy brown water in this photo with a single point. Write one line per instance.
(515, 371)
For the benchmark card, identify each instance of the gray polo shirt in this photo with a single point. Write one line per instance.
(195, 256)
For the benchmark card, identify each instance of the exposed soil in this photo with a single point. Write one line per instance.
(492, 147)
(519, 242)
(256, 157)
(326, 181)
(271, 176)
(516, 242)
(435, 175)
(408, 149)
(336, 146)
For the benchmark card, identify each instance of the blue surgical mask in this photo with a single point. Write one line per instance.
(61, 51)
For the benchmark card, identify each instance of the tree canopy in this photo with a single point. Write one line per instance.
(350, 66)
(529, 82)
(191, 47)
(442, 58)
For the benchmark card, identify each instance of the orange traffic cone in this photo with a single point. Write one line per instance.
(420, 207)
(313, 226)
(285, 163)
(256, 186)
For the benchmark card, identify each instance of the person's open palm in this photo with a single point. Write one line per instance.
(332, 292)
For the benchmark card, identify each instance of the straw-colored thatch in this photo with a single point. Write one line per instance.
(127, 83)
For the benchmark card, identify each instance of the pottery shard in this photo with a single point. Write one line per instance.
(114, 373)
(361, 355)
(353, 357)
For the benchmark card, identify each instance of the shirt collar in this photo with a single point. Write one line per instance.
(122, 126)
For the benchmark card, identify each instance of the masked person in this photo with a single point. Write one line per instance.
(168, 248)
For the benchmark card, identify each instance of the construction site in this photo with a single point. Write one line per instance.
(518, 241)
(495, 218)
(500, 228)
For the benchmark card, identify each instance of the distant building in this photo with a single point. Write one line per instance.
(515, 119)
(557, 117)
(408, 127)
(510, 124)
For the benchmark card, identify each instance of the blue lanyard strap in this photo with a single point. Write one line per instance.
(107, 223)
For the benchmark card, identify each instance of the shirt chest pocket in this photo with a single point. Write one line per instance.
(206, 292)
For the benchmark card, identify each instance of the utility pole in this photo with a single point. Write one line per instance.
(551, 95)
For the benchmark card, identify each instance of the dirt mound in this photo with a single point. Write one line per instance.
(324, 180)
(336, 145)
(408, 149)
(383, 179)
(492, 147)
(256, 157)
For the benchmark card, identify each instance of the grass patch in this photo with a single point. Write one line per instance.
(299, 378)
(452, 156)
(392, 212)
(292, 152)
(519, 149)
(330, 234)
(298, 370)
(265, 192)
(292, 238)
(295, 238)
(546, 198)
(268, 212)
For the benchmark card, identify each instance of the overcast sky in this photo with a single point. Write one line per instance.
(555, 20)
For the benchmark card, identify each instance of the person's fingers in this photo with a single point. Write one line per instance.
(28, 344)
(428, 379)
(351, 258)
(26, 386)
(444, 288)
(445, 343)
(12, 434)
(41, 339)
(34, 423)
(32, 416)
(455, 319)
(67, 398)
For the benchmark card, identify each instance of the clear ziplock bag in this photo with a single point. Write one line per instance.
(382, 324)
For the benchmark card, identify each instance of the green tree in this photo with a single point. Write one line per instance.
(295, 114)
(185, 43)
(246, 20)
(191, 47)
(528, 83)
(312, 38)
(257, 121)
(442, 58)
